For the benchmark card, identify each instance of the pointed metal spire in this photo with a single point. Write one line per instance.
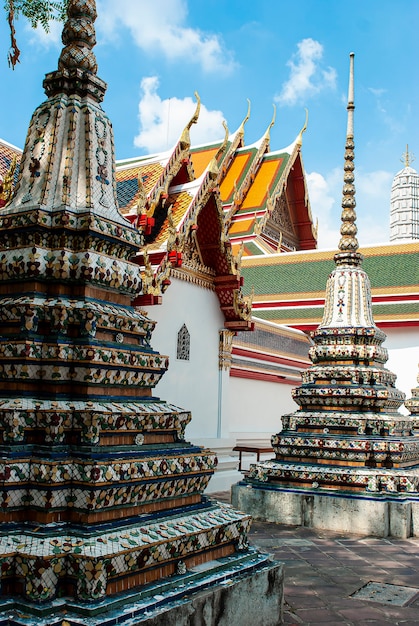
(348, 230)
(407, 157)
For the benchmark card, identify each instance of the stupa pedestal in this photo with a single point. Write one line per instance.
(102, 514)
(347, 460)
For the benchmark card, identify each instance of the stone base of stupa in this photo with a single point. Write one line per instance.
(244, 588)
(381, 515)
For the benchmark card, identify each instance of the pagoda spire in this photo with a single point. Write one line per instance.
(407, 157)
(79, 37)
(348, 229)
(68, 162)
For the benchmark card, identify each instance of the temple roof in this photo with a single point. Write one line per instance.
(285, 293)
(7, 153)
(263, 193)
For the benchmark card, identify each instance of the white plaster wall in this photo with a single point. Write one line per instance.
(403, 359)
(193, 384)
(256, 407)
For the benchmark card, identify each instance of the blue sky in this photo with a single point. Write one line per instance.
(155, 55)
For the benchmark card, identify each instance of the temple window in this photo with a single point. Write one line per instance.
(183, 344)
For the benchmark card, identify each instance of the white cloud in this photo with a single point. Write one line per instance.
(162, 121)
(50, 39)
(161, 26)
(377, 92)
(372, 195)
(394, 124)
(307, 75)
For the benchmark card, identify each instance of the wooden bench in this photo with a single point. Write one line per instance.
(256, 448)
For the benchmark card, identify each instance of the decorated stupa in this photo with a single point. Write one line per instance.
(347, 459)
(102, 514)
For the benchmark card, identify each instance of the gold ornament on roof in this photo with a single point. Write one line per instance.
(6, 187)
(185, 137)
(242, 305)
(299, 140)
(142, 197)
(407, 157)
(225, 142)
(241, 129)
(267, 135)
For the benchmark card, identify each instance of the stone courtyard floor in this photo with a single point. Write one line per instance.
(332, 578)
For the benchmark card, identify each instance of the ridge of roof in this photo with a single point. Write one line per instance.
(10, 145)
(290, 329)
(158, 157)
(376, 249)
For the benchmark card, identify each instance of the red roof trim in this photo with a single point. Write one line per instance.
(245, 352)
(270, 378)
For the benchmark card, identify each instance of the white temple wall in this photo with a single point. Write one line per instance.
(403, 350)
(256, 407)
(193, 385)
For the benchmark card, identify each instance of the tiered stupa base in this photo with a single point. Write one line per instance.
(354, 472)
(132, 574)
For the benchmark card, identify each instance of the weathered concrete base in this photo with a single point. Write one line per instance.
(382, 516)
(245, 589)
(250, 600)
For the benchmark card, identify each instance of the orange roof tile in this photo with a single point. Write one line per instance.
(241, 226)
(264, 177)
(181, 203)
(201, 160)
(234, 173)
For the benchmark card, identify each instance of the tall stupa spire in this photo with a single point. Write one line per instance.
(348, 230)
(79, 37)
(68, 159)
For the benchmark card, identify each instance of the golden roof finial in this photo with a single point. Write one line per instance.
(299, 140)
(225, 141)
(6, 187)
(267, 134)
(348, 229)
(213, 169)
(142, 196)
(407, 157)
(241, 129)
(185, 138)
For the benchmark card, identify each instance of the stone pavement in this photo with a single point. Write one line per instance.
(323, 571)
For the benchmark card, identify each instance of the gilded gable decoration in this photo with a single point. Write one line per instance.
(225, 349)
